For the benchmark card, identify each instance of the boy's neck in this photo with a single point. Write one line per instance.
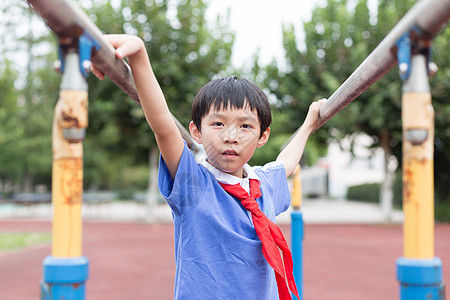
(243, 172)
(222, 177)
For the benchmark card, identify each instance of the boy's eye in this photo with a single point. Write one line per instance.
(217, 124)
(246, 126)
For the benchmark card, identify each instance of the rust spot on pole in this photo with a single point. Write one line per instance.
(72, 181)
(69, 120)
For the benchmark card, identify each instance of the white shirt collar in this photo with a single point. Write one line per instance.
(231, 179)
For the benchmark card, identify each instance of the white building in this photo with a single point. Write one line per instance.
(340, 169)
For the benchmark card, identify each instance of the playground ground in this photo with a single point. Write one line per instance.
(135, 260)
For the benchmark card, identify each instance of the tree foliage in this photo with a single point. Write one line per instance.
(440, 90)
(27, 100)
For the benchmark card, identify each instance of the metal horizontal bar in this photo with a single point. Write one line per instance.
(68, 21)
(428, 15)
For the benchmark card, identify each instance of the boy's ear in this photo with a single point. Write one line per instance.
(264, 138)
(195, 133)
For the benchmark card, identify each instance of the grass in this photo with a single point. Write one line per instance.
(17, 241)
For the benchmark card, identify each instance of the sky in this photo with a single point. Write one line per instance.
(258, 24)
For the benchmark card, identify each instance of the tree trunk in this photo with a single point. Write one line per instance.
(27, 180)
(386, 188)
(152, 191)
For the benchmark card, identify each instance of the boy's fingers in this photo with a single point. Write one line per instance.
(120, 53)
(118, 42)
(320, 102)
(97, 73)
(130, 47)
(124, 44)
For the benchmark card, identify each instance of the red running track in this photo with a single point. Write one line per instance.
(136, 261)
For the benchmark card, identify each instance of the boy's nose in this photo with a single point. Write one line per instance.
(231, 136)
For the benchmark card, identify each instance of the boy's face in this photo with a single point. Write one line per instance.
(230, 137)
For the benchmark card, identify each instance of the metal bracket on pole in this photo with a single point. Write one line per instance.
(404, 55)
(414, 48)
(410, 43)
(86, 43)
(75, 63)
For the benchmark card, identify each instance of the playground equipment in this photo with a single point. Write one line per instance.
(408, 44)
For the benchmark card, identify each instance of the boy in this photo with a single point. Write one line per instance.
(222, 250)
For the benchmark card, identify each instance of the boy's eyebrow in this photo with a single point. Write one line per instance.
(246, 118)
(216, 115)
(240, 118)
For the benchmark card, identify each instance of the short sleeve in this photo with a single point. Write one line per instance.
(184, 191)
(273, 175)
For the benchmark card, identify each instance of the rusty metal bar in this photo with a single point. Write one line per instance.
(68, 21)
(429, 16)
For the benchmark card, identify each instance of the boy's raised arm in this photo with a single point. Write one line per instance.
(290, 156)
(152, 99)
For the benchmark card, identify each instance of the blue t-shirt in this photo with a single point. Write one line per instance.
(217, 252)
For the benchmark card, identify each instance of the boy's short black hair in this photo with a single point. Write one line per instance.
(236, 93)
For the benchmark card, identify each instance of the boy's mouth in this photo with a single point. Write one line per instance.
(230, 153)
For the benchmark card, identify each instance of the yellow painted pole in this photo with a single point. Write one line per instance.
(69, 124)
(418, 271)
(418, 194)
(66, 270)
(296, 197)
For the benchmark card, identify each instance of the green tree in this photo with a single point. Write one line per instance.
(440, 90)
(9, 130)
(29, 99)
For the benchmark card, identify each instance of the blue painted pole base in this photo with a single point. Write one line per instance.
(297, 248)
(420, 279)
(64, 278)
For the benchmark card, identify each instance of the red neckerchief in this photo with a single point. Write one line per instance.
(271, 238)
